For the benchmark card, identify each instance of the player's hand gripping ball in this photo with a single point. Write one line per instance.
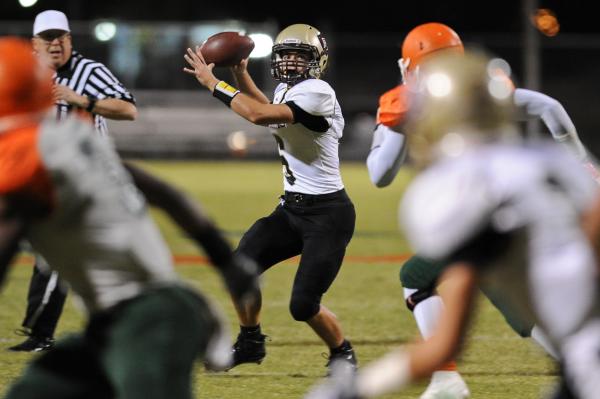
(226, 49)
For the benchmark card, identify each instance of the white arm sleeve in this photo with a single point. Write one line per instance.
(388, 152)
(556, 119)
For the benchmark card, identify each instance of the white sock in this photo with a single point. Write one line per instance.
(542, 340)
(427, 312)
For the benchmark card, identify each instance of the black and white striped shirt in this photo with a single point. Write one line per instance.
(89, 78)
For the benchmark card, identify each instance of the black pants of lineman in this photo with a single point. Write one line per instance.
(45, 300)
(319, 227)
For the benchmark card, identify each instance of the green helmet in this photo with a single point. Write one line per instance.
(300, 39)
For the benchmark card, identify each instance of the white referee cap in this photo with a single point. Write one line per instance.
(50, 19)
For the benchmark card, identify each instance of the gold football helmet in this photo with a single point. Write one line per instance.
(304, 40)
(460, 101)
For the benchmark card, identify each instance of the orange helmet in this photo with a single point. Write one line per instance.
(25, 84)
(426, 39)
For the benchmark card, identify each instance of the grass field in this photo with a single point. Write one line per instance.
(366, 296)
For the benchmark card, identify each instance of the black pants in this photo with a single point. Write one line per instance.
(45, 301)
(319, 227)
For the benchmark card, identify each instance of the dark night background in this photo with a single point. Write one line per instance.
(364, 38)
(356, 16)
(576, 16)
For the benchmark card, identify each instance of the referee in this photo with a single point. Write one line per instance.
(89, 89)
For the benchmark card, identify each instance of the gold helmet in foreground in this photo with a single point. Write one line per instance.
(460, 100)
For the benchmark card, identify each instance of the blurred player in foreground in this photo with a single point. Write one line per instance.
(315, 217)
(388, 152)
(64, 189)
(88, 89)
(497, 210)
(108, 99)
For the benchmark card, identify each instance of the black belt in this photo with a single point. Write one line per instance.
(307, 199)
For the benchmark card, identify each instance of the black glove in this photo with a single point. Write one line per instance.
(241, 277)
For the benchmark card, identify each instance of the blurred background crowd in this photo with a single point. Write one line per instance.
(552, 46)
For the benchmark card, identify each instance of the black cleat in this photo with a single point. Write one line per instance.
(248, 349)
(34, 344)
(343, 356)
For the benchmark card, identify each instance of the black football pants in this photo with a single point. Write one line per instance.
(317, 227)
(45, 300)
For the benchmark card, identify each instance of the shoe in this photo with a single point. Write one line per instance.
(446, 385)
(248, 349)
(345, 356)
(34, 344)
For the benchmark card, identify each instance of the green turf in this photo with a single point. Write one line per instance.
(366, 297)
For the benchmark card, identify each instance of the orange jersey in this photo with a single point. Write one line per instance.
(393, 106)
(21, 167)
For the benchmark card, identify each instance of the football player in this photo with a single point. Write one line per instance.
(64, 189)
(494, 209)
(315, 217)
(45, 297)
(388, 152)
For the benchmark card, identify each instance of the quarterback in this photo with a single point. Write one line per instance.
(315, 217)
(388, 152)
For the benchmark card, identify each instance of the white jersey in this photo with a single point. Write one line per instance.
(388, 150)
(310, 157)
(514, 212)
(99, 236)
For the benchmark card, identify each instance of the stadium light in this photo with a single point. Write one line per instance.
(262, 45)
(499, 66)
(237, 141)
(105, 31)
(500, 86)
(27, 3)
(546, 22)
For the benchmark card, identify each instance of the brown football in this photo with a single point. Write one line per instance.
(226, 48)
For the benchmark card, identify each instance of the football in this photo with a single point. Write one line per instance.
(226, 48)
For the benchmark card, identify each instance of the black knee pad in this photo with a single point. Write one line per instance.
(303, 307)
(419, 296)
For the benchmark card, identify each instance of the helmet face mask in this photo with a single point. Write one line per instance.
(291, 64)
(299, 53)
